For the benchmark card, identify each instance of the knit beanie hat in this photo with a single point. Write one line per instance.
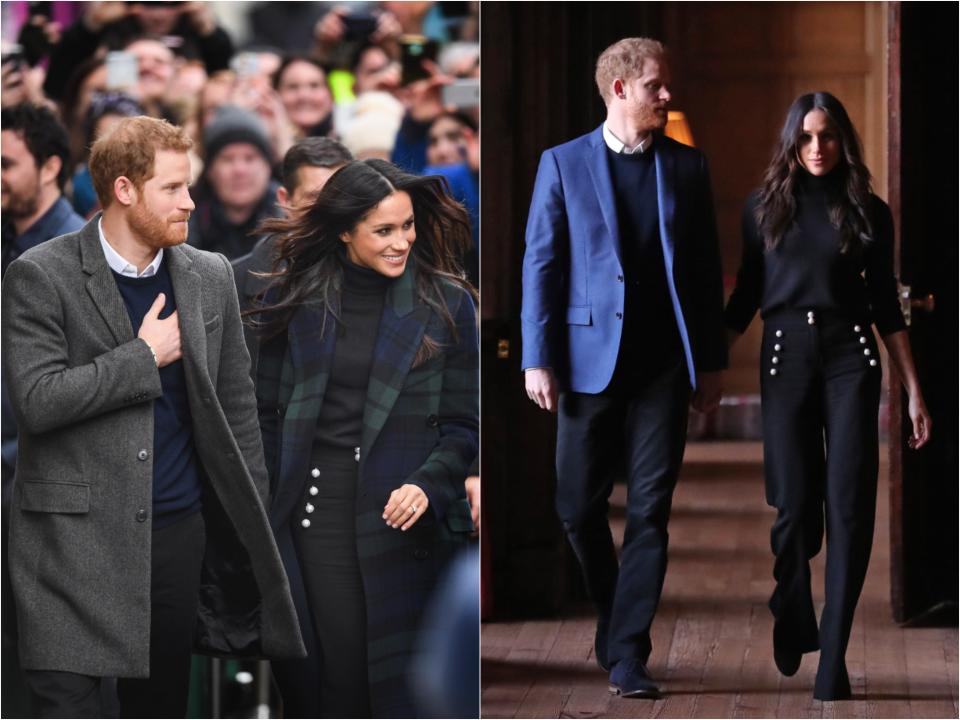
(232, 124)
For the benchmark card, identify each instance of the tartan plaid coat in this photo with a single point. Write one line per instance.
(420, 426)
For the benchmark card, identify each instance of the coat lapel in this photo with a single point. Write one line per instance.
(402, 325)
(599, 168)
(186, 290)
(101, 285)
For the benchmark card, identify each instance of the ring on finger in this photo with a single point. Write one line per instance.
(413, 508)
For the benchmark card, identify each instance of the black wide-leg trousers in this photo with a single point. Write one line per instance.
(326, 542)
(645, 426)
(820, 390)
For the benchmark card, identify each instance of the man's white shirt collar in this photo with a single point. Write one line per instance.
(121, 266)
(616, 144)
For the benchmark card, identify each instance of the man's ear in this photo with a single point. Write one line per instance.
(124, 191)
(50, 170)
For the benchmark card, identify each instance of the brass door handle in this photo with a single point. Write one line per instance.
(908, 304)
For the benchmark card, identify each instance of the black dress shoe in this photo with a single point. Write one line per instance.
(630, 679)
(785, 655)
(600, 642)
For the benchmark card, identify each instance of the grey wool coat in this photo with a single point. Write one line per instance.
(82, 388)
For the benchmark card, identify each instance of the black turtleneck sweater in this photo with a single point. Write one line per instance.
(808, 271)
(340, 422)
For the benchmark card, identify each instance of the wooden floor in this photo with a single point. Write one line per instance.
(712, 635)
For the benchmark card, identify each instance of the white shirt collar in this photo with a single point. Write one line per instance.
(120, 265)
(616, 144)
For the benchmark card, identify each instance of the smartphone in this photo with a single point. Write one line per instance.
(245, 64)
(414, 49)
(123, 70)
(12, 54)
(462, 93)
(359, 26)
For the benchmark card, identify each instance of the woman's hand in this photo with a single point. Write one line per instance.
(920, 418)
(406, 505)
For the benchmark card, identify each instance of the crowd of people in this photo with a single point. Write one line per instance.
(390, 80)
(388, 91)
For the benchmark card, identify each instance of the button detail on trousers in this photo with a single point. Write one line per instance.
(142, 515)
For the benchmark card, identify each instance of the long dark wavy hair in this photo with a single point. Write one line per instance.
(848, 207)
(308, 268)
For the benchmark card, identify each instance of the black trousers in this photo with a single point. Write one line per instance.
(327, 550)
(177, 553)
(643, 425)
(820, 396)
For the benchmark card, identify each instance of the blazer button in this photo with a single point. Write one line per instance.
(421, 554)
(432, 421)
(619, 278)
(619, 316)
(143, 455)
(141, 515)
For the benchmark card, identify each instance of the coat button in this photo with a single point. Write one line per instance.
(305, 522)
(309, 508)
(420, 553)
(856, 328)
(432, 421)
(779, 333)
(313, 490)
(143, 455)
(619, 278)
(773, 371)
(619, 316)
(141, 515)
(315, 473)
(866, 351)
(281, 409)
(863, 340)
(774, 359)
(873, 363)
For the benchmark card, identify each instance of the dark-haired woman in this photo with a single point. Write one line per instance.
(368, 389)
(818, 263)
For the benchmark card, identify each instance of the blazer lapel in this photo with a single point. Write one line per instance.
(101, 285)
(599, 168)
(402, 325)
(666, 200)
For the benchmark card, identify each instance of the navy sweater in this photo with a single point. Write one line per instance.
(651, 340)
(177, 485)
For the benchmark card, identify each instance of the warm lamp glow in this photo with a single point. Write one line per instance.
(678, 128)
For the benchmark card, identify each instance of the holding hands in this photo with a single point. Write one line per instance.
(405, 506)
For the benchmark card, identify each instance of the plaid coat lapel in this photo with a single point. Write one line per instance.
(402, 325)
(307, 363)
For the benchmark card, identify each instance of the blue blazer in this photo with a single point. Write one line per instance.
(573, 289)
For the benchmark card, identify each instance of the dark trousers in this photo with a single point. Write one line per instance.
(643, 425)
(820, 400)
(177, 553)
(327, 550)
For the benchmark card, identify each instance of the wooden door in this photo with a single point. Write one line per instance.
(923, 197)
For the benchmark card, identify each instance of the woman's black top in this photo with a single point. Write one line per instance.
(807, 270)
(340, 422)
